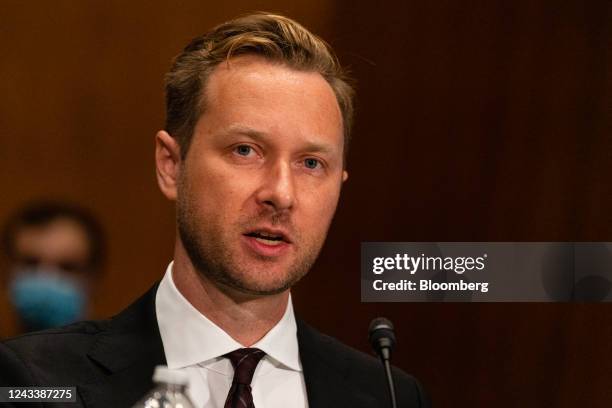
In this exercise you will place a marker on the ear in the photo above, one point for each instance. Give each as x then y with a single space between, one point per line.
344 175
167 163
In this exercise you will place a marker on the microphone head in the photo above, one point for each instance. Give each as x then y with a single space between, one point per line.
381 334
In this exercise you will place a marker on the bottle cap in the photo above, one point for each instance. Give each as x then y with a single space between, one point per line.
165 375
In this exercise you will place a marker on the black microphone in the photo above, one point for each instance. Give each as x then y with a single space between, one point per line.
382 339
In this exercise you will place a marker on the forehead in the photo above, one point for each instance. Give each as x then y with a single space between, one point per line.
252 89
59 239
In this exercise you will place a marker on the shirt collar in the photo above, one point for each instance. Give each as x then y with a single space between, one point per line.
190 338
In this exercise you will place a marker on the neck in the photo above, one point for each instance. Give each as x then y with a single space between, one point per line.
246 318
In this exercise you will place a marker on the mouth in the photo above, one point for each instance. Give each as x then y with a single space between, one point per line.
267 243
269 237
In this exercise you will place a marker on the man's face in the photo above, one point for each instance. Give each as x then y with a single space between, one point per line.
261 180
60 245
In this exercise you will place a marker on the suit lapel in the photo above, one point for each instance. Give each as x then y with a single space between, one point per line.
126 353
326 374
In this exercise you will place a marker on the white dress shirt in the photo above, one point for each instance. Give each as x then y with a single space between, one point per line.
195 345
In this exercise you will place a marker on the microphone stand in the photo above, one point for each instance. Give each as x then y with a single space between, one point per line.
382 339
389 375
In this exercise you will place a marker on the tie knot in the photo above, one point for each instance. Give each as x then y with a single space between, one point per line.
245 361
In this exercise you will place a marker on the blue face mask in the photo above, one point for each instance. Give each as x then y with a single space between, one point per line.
46 299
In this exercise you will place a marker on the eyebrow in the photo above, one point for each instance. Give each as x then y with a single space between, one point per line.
245 130
262 137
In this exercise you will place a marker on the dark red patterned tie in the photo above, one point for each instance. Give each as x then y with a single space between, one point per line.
244 361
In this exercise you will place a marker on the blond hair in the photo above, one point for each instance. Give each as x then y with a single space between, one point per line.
274 37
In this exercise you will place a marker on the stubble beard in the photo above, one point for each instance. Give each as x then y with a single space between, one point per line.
208 249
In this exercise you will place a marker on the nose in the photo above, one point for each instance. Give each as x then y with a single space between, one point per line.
277 189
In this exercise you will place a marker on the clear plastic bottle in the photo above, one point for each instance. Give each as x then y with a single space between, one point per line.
169 391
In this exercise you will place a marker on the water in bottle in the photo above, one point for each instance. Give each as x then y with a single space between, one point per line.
169 391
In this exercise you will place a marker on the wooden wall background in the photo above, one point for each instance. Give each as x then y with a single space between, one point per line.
477 121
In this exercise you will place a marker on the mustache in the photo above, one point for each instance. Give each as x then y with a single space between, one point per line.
270 217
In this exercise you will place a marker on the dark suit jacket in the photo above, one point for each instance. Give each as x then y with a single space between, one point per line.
111 362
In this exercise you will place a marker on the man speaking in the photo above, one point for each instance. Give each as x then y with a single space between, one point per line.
253 153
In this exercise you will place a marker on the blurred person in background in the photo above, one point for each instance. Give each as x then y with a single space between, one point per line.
55 253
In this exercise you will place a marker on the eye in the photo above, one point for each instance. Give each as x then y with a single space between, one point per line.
30 261
311 163
243 150
69 266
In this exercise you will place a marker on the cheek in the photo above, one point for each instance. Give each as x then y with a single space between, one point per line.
218 189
